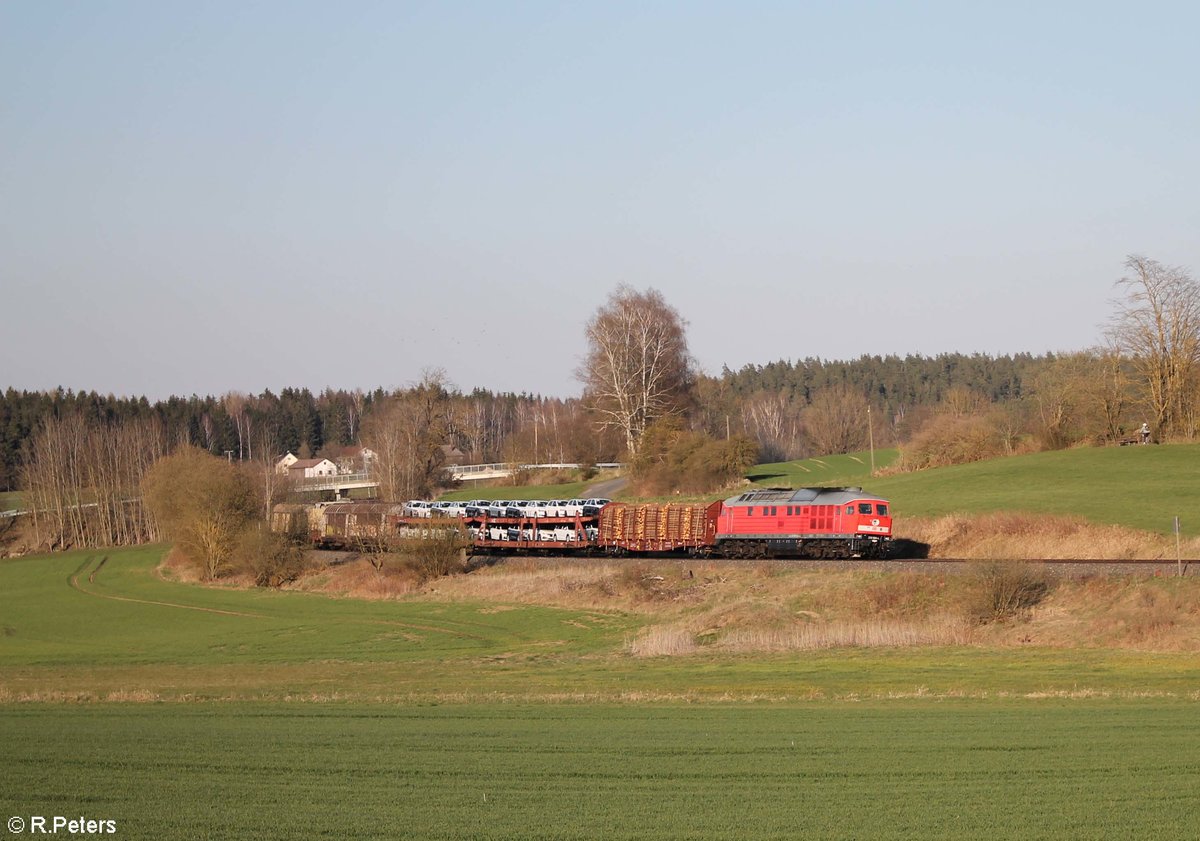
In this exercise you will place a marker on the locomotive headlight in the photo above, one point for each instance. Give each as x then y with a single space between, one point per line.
875 522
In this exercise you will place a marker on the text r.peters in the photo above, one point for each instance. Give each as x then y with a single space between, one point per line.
42 825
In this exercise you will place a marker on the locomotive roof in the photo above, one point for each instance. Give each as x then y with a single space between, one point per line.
805 496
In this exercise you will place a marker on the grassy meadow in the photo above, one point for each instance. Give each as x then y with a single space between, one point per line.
91 627
530 701
880 771
851 469
182 711
1137 487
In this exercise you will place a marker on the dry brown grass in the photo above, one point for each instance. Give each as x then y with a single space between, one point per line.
1139 613
358 579
175 566
747 631
527 582
662 641
694 607
864 633
1006 536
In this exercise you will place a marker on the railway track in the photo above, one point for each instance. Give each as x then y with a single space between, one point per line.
1067 568
1073 567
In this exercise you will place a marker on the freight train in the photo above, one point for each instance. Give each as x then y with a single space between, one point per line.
825 523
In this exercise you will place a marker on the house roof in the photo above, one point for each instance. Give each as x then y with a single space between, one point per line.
309 462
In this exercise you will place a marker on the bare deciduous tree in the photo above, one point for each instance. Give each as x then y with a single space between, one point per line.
1111 391
203 503
406 433
1058 392
236 405
773 420
81 480
637 368
273 486
1079 397
1157 326
836 421
962 402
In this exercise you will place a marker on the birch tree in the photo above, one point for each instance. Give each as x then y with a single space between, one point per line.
81 480
637 368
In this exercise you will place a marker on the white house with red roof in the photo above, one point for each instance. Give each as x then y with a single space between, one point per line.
312 468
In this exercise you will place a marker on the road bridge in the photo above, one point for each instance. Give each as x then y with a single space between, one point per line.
344 482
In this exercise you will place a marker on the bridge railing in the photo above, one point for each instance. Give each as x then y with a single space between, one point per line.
458 471
341 480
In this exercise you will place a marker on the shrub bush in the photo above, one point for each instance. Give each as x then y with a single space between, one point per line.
442 551
673 460
948 440
271 558
1005 589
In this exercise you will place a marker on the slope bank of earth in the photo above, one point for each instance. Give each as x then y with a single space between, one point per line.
690 607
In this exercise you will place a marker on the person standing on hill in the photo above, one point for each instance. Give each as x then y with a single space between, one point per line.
1145 432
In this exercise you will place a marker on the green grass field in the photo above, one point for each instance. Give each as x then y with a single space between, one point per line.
902 770
70 628
182 711
1139 487
849 469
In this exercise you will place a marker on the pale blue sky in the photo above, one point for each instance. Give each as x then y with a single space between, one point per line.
205 197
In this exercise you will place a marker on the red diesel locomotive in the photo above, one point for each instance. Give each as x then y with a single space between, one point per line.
808 523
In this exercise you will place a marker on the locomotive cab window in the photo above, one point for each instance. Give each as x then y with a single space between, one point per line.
849 509
881 510
750 511
864 508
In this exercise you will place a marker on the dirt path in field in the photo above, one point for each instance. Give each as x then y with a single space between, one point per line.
73 581
607 489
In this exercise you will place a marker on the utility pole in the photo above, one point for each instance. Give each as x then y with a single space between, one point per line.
1178 553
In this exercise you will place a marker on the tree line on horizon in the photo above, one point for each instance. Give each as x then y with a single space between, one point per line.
764 402
643 401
